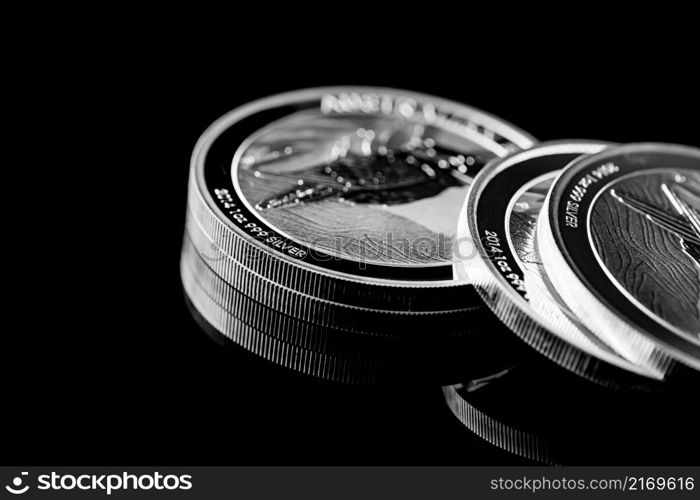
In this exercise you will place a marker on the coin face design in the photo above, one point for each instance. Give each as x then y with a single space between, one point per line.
371 188
382 186
645 232
622 231
355 180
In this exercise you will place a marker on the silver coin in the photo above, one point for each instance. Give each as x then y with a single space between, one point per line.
620 238
346 188
500 217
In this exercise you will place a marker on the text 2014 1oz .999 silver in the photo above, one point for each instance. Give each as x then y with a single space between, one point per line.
347 194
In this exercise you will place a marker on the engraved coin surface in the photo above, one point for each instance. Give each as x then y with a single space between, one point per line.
500 217
620 243
360 182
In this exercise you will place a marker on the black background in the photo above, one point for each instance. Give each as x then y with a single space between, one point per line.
106 365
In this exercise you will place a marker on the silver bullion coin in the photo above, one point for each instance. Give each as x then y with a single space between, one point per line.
354 192
218 321
499 220
620 239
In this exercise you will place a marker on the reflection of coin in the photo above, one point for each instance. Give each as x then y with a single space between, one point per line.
538 411
346 187
319 363
473 404
343 354
620 244
500 215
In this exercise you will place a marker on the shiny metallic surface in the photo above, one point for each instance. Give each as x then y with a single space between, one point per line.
259 280
355 322
617 239
494 431
406 223
262 343
500 218
224 248
324 220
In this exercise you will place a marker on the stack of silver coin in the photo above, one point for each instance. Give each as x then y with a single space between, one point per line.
321 227
590 253
335 231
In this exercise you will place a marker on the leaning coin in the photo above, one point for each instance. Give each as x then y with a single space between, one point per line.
353 192
499 220
619 237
